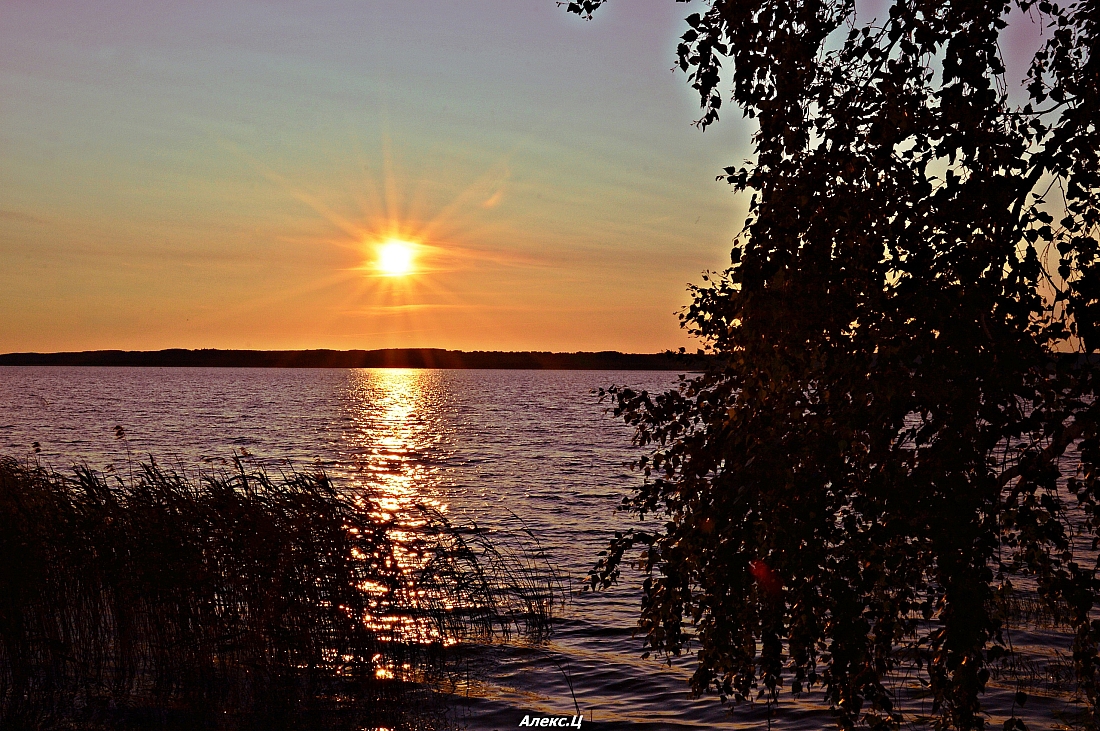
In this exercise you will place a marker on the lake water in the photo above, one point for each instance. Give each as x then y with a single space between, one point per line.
480 445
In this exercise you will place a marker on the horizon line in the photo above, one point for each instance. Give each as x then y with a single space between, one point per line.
438 358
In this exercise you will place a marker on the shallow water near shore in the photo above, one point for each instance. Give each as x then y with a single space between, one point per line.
487 447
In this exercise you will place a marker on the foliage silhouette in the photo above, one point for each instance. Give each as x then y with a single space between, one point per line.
237 601
905 420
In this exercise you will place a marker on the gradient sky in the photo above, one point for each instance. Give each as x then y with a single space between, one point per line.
218 174
210 174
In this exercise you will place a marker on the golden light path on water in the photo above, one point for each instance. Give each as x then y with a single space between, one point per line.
391 430
391 427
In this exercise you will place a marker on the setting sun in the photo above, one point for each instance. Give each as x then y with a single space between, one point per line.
395 258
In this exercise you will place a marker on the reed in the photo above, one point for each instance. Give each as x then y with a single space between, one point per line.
235 600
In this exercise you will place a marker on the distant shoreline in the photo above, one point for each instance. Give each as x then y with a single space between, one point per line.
385 358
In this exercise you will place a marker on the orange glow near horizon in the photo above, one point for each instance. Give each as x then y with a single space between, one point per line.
377 256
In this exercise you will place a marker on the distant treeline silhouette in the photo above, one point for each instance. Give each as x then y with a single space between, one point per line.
235 601
387 358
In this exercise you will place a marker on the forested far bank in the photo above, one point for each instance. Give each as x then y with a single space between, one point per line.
384 358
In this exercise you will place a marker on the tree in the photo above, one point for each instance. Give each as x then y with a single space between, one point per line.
905 418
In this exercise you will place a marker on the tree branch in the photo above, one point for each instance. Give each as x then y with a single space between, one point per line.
1052 451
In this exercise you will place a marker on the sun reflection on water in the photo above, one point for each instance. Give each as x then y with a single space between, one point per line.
393 428
394 425
456 583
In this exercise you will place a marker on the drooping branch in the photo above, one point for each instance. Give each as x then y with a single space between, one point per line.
1052 451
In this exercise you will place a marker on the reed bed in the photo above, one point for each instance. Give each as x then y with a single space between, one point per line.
237 600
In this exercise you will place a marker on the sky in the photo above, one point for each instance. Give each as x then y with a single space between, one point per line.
224 174
228 174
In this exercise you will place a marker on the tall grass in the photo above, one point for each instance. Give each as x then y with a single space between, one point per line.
235 600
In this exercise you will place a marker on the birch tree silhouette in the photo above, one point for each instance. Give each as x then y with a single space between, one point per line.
905 419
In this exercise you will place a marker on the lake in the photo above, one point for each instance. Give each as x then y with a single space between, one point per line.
480 445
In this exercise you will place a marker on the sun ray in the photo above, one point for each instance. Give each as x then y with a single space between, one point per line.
402 243
300 194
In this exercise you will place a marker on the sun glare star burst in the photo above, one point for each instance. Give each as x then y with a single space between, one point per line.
395 258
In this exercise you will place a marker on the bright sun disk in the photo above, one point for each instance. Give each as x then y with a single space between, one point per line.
395 258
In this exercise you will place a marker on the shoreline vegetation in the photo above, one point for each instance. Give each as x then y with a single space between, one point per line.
237 599
384 358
